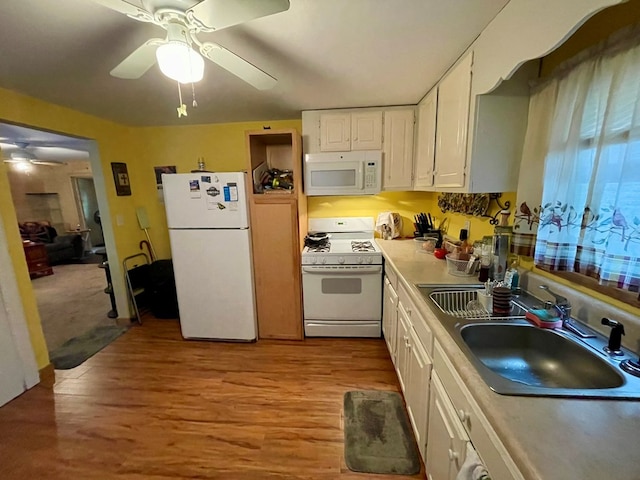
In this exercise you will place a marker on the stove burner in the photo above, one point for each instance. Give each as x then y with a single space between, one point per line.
322 248
364 246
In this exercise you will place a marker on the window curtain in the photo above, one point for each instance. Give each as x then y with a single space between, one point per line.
589 220
536 145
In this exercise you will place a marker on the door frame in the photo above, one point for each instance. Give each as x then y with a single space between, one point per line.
12 309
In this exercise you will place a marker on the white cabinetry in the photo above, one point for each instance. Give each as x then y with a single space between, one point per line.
447 439
344 131
390 129
417 389
425 142
390 316
452 124
464 412
335 132
398 149
414 343
402 353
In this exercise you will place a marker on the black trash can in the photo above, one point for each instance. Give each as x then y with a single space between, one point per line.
161 291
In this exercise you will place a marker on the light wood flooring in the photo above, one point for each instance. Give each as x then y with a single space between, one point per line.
154 406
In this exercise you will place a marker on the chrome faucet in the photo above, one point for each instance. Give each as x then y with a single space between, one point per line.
562 304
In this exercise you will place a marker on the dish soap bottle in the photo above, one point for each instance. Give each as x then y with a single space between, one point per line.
465 247
512 277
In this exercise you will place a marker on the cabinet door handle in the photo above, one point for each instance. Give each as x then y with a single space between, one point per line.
464 416
453 455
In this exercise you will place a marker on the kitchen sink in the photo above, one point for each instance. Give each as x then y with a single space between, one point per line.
538 357
514 357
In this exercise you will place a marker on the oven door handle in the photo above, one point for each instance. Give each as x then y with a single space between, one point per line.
343 270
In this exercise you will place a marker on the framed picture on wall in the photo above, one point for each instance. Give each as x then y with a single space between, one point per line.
159 171
121 178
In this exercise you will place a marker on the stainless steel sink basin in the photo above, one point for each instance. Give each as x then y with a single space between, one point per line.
514 357
538 357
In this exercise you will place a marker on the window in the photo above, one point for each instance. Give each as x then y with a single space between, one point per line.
589 213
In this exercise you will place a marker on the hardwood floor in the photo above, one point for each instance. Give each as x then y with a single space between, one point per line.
154 406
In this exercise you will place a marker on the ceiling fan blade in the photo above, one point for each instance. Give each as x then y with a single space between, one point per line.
47 162
218 14
141 60
127 8
238 66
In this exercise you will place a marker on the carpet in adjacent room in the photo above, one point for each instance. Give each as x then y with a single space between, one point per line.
377 434
75 351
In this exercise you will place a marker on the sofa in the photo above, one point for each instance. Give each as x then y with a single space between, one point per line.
60 248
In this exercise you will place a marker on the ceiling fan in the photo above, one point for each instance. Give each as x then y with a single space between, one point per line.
23 155
179 54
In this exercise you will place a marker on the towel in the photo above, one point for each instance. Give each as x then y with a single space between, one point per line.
389 222
472 468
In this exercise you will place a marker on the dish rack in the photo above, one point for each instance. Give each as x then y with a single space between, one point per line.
460 304
462 268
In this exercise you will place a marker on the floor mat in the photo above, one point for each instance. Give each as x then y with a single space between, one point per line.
377 434
75 351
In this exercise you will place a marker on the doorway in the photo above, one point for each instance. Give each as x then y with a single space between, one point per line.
87 204
72 300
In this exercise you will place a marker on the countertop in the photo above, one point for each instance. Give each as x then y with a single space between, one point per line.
547 438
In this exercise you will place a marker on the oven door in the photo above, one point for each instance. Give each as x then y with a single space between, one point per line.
342 293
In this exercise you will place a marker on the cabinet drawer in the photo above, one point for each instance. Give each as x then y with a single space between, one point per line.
391 275
485 440
419 324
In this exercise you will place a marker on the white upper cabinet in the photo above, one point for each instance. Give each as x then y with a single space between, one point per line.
366 130
425 142
344 131
452 121
335 132
398 149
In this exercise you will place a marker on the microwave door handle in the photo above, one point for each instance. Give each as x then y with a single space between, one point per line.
360 176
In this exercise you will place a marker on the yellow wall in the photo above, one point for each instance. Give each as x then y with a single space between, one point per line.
116 145
221 145
407 204
594 30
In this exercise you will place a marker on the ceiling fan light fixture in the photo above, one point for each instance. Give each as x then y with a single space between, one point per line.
24 166
178 61
23 156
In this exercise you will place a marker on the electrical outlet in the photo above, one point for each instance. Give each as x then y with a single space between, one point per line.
120 220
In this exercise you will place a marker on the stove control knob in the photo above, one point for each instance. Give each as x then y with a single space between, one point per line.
359 260
324 260
369 260
341 260
314 260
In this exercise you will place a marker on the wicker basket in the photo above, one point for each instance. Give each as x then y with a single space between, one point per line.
462 268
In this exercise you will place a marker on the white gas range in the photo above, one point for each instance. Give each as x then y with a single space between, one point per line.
342 279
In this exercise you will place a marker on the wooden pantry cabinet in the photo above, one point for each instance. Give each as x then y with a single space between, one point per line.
278 228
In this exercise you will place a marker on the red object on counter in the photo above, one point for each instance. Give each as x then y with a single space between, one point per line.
440 253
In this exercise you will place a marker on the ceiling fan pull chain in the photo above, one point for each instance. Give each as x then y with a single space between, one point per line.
193 93
182 109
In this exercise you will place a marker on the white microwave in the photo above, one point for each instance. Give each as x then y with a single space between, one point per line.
343 173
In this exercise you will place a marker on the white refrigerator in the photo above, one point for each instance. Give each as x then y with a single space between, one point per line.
207 216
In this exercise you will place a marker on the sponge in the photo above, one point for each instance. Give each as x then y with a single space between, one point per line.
543 318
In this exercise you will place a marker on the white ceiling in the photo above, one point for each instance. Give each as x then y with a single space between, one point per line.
324 53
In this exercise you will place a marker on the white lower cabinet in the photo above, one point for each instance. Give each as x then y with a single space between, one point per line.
412 361
390 318
417 389
402 355
447 439
444 416
463 412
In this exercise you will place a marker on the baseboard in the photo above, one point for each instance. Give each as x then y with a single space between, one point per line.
47 376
